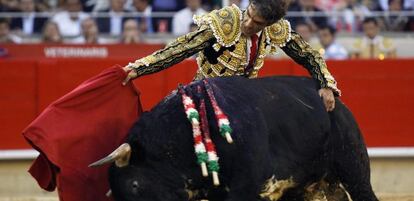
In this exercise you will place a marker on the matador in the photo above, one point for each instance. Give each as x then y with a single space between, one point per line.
231 41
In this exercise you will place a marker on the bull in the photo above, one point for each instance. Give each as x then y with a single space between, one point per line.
284 143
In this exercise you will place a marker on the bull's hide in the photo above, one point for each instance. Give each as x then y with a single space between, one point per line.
284 143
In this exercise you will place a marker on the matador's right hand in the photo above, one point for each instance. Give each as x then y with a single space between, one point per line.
132 74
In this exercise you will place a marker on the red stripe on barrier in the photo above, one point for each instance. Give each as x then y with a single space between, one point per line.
379 93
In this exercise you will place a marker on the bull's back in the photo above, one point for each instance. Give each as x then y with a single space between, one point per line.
280 120
279 101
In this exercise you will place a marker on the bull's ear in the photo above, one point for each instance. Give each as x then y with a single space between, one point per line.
121 156
184 194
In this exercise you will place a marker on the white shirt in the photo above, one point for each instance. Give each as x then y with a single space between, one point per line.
116 23
15 39
244 4
408 4
335 51
148 10
28 23
67 26
81 40
183 19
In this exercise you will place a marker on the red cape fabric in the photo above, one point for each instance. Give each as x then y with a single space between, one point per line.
82 127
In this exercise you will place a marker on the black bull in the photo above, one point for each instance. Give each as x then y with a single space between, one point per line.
284 141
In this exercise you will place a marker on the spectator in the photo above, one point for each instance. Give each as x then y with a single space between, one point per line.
90 33
409 4
244 4
164 24
2 8
90 5
305 31
130 33
9 5
28 24
95 5
353 13
70 18
183 18
5 35
392 22
168 5
406 5
235 2
307 9
145 23
328 5
51 33
371 5
331 49
113 24
372 45
45 5
240 3
87 5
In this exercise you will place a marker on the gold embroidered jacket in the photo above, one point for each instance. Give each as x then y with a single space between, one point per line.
222 49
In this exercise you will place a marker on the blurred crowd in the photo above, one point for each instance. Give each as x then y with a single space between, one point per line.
80 21
348 15
371 45
127 21
325 18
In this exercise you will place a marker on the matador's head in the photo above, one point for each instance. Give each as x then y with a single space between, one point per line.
262 13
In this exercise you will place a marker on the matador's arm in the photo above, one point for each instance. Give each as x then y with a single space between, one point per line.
176 51
302 53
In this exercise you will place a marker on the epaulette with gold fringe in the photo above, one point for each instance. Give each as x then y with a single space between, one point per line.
279 33
225 24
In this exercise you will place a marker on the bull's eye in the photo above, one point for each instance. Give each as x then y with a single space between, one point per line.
135 187
135 184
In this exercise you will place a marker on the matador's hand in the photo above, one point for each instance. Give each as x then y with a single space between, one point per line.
328 98
131 74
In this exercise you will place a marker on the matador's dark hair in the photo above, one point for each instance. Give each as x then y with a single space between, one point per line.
271 10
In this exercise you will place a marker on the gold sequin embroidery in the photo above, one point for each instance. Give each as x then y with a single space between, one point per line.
225 24
279 33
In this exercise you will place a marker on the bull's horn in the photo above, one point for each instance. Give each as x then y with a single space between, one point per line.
109 193
121 157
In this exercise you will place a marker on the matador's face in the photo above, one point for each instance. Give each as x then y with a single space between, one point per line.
252 21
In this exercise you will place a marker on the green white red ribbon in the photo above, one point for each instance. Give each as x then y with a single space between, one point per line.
222 119
193 117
